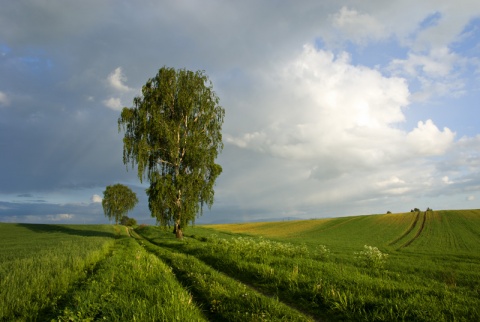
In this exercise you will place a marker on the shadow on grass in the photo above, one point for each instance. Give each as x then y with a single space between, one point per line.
80 230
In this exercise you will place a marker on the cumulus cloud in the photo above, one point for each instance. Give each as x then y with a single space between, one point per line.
96 199
470 198
333 134
113 103
121 92
116 80
345 112
427 139
330 112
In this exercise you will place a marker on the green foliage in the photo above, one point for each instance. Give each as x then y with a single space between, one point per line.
322 252
173 136
117 201
372 257
127 221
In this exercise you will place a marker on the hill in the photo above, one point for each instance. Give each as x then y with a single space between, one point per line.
444 231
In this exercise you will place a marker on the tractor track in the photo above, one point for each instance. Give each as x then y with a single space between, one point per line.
419 232
139 238
408 231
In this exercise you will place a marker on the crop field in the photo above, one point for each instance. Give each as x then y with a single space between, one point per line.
419 266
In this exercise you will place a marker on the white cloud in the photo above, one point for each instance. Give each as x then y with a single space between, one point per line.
116 80
327 109
358 27
446 180
427 139
60 217
113 103
429 34
96 199
437 72
4 100
121 92
470 198
438 63
329 131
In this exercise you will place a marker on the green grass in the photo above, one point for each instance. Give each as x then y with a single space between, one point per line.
131 285
285 271
223 298
40 263
432 272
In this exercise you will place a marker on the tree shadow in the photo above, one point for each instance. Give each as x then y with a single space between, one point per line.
80 230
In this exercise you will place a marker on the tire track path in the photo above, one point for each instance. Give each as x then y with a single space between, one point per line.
419 232
225 297
408 231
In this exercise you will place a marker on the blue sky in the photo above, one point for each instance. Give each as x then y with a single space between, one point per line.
333 108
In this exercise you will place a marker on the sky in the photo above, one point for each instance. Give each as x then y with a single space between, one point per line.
333 108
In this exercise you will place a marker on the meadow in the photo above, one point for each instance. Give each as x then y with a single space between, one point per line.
418 266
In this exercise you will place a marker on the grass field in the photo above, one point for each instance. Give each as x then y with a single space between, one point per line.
422 266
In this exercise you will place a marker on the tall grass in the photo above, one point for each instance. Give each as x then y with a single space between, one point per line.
131 285
411 284
223 298
38 265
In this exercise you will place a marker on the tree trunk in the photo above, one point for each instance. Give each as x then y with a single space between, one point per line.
178 230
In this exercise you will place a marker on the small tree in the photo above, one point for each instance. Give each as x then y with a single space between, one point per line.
127 221
117 201
173 135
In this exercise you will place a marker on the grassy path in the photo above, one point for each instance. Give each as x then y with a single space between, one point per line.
222 297
131 285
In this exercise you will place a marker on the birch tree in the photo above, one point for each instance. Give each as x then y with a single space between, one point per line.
173 136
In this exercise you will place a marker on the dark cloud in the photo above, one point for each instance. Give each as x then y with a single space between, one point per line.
57 137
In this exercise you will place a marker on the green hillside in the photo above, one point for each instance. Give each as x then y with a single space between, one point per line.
444 231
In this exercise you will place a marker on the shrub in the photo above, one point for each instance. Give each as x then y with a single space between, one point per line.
372 257
126 221
322 252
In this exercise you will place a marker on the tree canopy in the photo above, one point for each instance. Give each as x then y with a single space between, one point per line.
117 201
127 221
173 136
